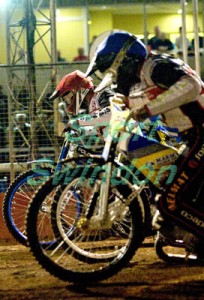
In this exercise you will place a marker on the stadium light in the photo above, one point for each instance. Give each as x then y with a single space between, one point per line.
3 3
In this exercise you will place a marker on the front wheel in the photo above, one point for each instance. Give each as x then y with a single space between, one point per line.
17 199
83 254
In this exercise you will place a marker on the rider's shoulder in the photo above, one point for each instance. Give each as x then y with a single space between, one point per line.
164 58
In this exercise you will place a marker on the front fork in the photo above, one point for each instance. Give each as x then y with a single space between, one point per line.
102 213
99 202
104 194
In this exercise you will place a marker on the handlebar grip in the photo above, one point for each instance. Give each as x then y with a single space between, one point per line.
69 127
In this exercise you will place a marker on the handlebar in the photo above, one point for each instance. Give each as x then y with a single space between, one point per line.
69 128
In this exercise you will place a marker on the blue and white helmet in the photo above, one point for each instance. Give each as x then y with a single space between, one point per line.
121 52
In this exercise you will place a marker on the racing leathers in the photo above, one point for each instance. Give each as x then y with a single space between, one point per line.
166 85
98 108
170 87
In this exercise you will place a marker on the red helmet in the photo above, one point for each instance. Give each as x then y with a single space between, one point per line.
73 87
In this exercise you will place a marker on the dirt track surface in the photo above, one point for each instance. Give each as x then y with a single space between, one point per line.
146 277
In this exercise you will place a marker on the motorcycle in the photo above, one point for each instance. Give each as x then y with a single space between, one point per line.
22 189
98 214
180 209
180 217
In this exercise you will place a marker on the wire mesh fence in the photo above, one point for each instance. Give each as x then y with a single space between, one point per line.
30 124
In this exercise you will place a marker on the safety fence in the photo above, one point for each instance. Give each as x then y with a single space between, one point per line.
30 124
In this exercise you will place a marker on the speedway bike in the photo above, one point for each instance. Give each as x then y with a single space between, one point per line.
109 196
98 215
180 216
22 189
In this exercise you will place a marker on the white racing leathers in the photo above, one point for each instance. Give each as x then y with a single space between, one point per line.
166 84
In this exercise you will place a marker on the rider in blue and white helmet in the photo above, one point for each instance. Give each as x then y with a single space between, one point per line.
163 83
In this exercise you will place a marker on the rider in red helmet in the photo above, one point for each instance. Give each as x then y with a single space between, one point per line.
77 90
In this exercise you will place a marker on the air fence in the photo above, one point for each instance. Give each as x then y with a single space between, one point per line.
30 124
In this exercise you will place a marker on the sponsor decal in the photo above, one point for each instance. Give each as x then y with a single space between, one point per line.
182 179
200 153
192 218
167 159
174 189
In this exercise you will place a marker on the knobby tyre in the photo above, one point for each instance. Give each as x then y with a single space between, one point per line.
16 201
68 213
82 255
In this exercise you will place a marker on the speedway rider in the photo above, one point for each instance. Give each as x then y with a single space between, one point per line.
75 82
158 84
77 91
149 84
153 84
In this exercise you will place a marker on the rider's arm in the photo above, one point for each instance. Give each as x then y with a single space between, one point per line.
183 91
181 87
114 111
100 117
99 108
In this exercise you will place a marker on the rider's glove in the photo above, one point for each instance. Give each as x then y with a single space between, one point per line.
141 114
117 102
118 121
119 114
